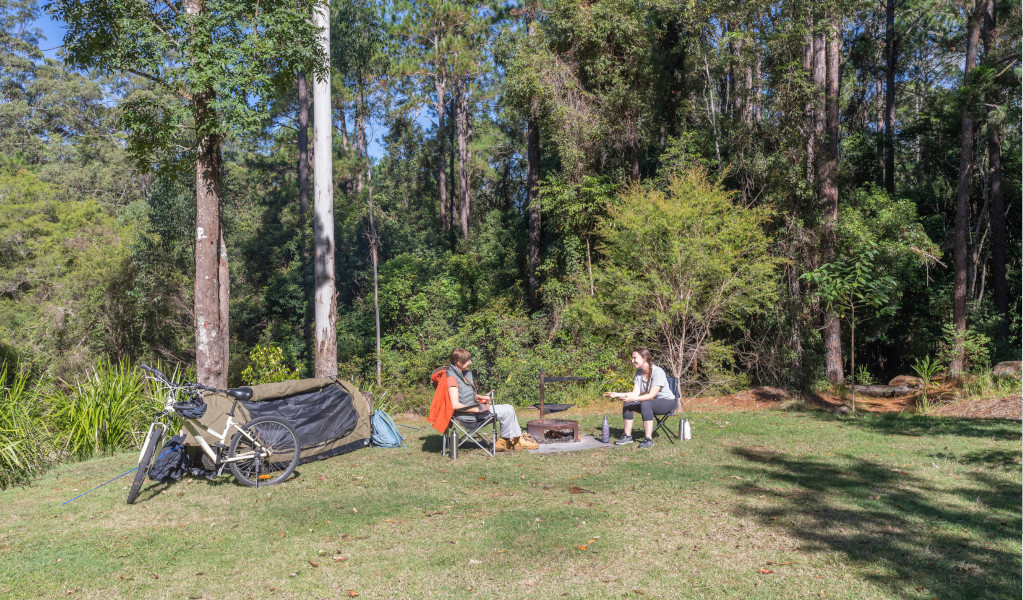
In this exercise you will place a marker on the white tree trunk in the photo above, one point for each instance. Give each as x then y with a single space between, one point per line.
325 296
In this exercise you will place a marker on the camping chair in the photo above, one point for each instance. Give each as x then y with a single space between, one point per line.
468 427
661 420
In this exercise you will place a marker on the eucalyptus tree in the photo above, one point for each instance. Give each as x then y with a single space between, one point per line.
217 63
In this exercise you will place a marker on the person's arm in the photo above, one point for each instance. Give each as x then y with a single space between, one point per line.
455 404
627 396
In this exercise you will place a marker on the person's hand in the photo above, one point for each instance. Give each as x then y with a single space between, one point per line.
610 395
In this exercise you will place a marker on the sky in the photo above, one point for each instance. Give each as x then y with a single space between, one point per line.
53 31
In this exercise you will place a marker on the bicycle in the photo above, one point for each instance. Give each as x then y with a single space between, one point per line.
263 451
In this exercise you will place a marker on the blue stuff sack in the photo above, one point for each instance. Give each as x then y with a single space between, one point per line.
385 432
172 462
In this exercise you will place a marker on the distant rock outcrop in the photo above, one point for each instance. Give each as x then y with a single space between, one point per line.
909 381
1009 367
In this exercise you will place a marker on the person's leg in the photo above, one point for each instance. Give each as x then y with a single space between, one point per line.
628 410
505 414
646 409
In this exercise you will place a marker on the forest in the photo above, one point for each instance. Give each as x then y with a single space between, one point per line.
761 192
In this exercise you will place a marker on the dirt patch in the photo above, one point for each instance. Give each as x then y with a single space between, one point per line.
1010 407
943 403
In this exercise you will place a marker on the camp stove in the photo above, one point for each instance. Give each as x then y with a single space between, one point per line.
552 431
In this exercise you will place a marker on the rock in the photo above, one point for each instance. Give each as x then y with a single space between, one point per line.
881 391
909 381
1009 367
841 410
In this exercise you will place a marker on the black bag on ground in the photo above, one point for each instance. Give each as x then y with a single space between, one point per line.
172 462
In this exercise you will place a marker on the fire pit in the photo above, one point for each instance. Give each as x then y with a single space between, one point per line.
550 431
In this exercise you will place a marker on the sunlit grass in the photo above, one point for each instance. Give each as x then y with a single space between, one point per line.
871 507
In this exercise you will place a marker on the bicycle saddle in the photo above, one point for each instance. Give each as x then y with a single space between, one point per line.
242 394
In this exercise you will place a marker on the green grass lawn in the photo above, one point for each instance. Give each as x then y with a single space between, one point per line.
878 507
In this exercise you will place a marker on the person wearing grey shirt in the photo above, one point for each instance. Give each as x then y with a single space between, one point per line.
464 398
650 395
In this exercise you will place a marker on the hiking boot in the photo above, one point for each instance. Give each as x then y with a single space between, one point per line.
526 442
646 443
503 445
625 439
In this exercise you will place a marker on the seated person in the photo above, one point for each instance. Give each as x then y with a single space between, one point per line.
465 399
650 394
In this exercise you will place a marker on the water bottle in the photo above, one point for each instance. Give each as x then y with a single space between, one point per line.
605 432
684 432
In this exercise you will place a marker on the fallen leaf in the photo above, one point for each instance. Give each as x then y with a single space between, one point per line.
315 564
766 571
581 547
579 490
340 558
154 575
352 593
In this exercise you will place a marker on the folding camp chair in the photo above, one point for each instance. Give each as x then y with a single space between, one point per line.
468 427
662 420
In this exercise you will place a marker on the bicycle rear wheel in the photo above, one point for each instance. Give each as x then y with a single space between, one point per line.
271 454
145 463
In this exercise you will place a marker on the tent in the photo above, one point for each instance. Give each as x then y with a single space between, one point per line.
330 416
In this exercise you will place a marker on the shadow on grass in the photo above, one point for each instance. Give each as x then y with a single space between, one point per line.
901 530
919 425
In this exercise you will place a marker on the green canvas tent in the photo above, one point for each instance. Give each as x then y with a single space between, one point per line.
330 416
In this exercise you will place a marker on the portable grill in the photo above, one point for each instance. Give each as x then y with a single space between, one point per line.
550 431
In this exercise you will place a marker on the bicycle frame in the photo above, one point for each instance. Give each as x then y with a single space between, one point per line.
194 426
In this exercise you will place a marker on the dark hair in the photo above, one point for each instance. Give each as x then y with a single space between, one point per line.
646 357
459 356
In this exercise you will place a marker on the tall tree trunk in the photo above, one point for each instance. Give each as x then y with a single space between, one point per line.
453 208
829 193
810 110
303 202
533 204
211 340
997 209
442 159
962 222
891 50
210 343
374 245
360 138
462 124
325 298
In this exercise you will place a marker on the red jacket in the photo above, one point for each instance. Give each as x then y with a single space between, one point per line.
440 410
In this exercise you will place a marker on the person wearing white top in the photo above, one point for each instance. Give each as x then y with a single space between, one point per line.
650 394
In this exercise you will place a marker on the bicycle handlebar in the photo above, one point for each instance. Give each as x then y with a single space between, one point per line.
159 376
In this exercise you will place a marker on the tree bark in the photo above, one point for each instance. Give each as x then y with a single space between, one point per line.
210 341
962 222
829 194
360 138
462 126
891 50
439 85
997 208
325 297
533 204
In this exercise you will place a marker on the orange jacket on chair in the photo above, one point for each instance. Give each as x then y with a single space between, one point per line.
440 410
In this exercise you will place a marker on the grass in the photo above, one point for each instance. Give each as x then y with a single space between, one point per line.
872 507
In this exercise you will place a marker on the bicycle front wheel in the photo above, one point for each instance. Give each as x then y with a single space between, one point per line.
265 451
145 464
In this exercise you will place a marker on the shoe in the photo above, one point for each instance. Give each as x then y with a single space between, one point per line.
625 439
526 442
504 445
646 443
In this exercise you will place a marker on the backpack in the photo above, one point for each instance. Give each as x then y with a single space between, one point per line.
172 462
385 432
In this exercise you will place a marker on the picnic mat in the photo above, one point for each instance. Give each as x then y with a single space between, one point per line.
587 442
